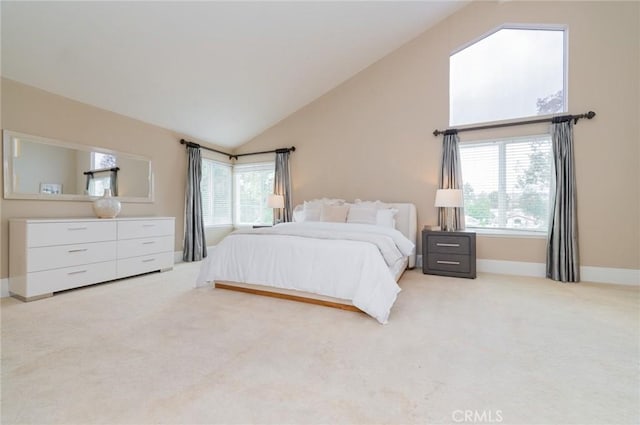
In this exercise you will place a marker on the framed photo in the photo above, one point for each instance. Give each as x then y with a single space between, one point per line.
51 188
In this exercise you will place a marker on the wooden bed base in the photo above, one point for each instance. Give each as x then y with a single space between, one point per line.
322 302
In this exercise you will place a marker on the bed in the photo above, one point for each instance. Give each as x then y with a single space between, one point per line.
350 264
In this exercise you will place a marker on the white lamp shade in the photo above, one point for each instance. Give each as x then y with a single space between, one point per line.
449 198
275 201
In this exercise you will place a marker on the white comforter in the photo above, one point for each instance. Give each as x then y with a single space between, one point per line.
347 261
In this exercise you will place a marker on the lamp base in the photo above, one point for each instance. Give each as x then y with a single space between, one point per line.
450 226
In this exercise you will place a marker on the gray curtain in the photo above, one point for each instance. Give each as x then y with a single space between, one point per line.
282 186
450 176
114 181
562 244
195 244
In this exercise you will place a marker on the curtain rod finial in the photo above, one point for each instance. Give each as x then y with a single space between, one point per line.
436 132
590 114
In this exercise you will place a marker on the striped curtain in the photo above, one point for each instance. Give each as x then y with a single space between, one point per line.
562 244
450 176
282 186
195 243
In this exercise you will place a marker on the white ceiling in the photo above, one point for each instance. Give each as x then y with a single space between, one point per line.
221 72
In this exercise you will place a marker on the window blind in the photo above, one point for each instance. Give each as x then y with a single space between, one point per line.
507 183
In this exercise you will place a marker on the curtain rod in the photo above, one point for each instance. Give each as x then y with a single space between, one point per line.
195 145
291 149
561 118
101 170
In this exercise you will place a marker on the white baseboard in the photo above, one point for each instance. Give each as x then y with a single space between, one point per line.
516 268
587 273
610 275
177 255
4 287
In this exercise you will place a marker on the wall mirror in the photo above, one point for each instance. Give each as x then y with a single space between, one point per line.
41 168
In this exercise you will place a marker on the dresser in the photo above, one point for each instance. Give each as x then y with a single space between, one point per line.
51 255
449 253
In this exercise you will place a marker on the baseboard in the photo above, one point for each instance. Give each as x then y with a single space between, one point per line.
4 287
177 255
516 268
587 273
610 275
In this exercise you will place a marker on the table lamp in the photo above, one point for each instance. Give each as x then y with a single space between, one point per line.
450 199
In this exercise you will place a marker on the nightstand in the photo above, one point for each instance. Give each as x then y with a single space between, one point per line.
449 253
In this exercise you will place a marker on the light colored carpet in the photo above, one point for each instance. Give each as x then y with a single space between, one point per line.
155 350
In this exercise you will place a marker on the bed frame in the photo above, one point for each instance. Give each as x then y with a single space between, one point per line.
406 223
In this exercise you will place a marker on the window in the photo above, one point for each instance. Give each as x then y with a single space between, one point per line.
99 182
215 187
511 73
252 185
507 183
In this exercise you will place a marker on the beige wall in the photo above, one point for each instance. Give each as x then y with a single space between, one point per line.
371 137
28 110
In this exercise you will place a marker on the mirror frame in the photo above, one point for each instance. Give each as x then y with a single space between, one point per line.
8 170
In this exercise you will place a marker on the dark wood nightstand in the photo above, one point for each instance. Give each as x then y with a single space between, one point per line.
449 253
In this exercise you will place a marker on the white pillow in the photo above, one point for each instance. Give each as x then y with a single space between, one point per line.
298 213
334 213
386 217
311 212
362 214
313 208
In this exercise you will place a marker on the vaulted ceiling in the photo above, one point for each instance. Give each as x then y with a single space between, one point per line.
221 72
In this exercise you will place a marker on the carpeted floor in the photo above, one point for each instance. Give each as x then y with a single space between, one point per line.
153 349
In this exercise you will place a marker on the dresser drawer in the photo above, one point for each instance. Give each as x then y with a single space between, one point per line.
448 244
449 263
137 247
55 257
133 229
49 281
145 264
47 234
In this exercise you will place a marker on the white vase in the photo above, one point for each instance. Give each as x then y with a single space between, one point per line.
106 206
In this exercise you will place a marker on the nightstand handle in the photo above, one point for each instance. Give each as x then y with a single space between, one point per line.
455 263
447 244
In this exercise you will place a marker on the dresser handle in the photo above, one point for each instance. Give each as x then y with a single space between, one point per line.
149 260
148 243
76 228
78 272
77 250
148 225
448 244
453 263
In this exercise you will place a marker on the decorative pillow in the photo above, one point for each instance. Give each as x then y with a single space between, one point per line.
362 214
385 217
298 213
311 212
334 213
313 208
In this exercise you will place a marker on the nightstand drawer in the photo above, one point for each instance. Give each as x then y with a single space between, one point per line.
448 244
449 263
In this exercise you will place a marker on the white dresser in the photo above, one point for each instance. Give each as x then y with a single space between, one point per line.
50 255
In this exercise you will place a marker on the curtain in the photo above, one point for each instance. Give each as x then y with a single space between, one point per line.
450 176
562 244
195 244
114 181
282 186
